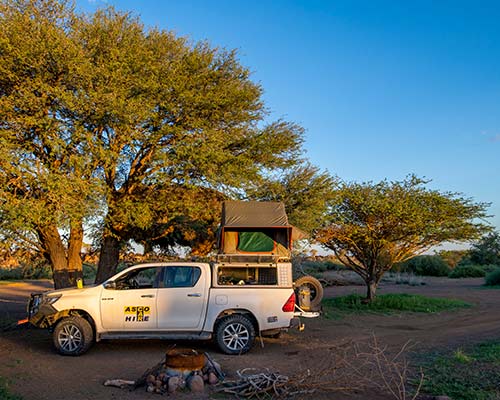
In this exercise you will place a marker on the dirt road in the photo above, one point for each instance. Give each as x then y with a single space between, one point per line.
37 372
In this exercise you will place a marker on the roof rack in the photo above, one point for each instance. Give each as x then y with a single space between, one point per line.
246 259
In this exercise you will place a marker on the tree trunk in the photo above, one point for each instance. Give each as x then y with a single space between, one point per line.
75 247
64 274
148 248
371 286
75 244
108 258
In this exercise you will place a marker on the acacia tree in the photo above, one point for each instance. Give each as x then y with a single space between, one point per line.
98 110
166 114
372 226
46 184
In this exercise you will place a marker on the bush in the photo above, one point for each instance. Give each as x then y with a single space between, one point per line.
37 271
314 267
9 274
31 271
426 266
468 271
389 303
89 272
493 277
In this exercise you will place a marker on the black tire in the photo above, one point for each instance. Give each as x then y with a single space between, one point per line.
234 334
73 336
314 286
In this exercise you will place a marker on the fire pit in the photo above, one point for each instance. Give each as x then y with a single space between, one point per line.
181 369
182 361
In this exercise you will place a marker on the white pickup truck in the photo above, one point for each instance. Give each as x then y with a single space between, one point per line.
231 303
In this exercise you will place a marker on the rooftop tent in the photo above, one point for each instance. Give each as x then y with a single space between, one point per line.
254 214
253 227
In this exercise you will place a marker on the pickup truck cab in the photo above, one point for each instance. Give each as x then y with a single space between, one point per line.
230 303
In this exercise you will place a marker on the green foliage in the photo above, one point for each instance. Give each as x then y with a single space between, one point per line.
470 271
5 393
303 189
493 278
184 123
426 266
89 272
11 274
464 375
100 114
372 226
460 356
32 271
486 250
390 303
47 182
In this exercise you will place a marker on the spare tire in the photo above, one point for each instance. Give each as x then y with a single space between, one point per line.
314 286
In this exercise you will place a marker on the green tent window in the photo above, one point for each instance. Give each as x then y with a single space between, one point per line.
255 242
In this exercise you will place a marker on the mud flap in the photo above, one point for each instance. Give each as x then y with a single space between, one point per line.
295 322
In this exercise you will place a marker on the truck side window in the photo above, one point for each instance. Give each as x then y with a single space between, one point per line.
180 277
247 276
140 278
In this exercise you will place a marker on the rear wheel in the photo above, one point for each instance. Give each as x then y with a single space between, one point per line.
234 334
73 336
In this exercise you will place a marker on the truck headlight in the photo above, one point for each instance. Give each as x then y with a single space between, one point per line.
51 299
39 300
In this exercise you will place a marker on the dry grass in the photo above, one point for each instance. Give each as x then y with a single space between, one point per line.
343 369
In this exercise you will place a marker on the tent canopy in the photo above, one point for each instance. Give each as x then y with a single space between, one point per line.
254 214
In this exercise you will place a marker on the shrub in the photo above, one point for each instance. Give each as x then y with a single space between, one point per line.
89 272
493 277
313 267
37 271
29 271
426 266
468 271
389 303
7 274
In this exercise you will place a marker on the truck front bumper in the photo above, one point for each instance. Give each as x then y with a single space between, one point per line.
40 314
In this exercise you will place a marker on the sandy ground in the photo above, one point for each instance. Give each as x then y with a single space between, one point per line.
35 371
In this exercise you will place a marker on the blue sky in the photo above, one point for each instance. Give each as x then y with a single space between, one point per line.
383 88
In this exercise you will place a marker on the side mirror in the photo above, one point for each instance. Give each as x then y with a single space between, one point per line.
110 285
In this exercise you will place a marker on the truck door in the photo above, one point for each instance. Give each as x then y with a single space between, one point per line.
132 305
182 298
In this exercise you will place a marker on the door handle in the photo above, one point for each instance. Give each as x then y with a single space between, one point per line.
194 294
148 295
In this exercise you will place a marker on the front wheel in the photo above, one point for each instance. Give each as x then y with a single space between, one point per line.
73 336
234 334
